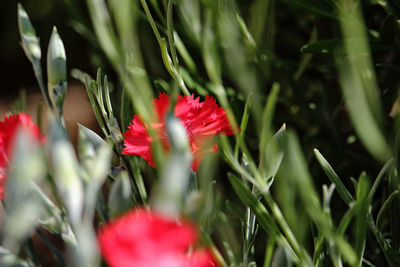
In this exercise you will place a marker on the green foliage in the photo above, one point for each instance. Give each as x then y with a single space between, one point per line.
269 64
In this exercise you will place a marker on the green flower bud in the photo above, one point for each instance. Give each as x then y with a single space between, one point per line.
56 70
29 40
176 133
67 178
168 194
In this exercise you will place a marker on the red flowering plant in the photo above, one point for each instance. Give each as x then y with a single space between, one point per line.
8 131
233 207
142 238
202 121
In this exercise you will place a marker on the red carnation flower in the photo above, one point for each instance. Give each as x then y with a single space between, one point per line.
141 238
202 120
8 132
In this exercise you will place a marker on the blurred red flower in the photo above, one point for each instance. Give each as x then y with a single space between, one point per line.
202 120
8 132
142 238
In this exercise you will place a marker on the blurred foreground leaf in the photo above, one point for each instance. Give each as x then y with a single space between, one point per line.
24 207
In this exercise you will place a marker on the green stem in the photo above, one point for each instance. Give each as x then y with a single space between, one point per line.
249 236
170 33
54 250
269 250
39 77
378 180
391 256
31 251
284 225
151 21
215 251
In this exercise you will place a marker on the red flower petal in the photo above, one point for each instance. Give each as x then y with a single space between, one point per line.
202 258
203 121
161 104
143 238
8 131
137 141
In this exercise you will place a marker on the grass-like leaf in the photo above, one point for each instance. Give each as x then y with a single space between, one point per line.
341 188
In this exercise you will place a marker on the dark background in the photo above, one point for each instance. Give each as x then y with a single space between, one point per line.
16 70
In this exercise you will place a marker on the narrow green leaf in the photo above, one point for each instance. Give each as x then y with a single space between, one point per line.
126 110
57 254
263 217
394 216
274 153
210 210
243 127
309 197
281 258
360 229
209 49
342 190
104 29
346 219
359 84
266 127
88 84
180 46
119 199
388 165
170 33
91 136
190 14
384 208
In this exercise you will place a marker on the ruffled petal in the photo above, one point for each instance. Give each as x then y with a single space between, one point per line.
137 141
202 120
8 131
161 105
143 238
210 119
187 107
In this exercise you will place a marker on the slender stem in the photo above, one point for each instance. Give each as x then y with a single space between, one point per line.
31 251
170 33
171 69
284 225
269 250
390 255
54 250
249 236
215 251
38 74
151 21
378 179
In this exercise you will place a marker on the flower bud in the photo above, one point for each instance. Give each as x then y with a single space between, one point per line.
56 70
168 194
29 40
67 178
176 133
